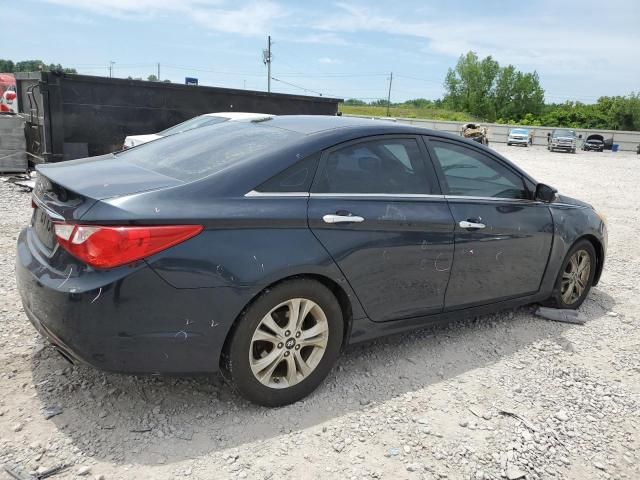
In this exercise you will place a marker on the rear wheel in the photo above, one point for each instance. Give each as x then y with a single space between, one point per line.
576 276
285 343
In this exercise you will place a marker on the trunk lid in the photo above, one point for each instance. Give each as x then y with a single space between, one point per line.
65 191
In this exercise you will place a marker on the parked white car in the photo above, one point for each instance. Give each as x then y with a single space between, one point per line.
195 122
519 136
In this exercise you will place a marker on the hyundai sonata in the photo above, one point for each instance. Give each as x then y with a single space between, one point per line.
262 249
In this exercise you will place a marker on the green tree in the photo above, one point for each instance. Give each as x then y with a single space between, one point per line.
484 89
152 78
8 66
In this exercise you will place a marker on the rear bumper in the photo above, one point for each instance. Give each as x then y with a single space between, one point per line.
522 141
127 319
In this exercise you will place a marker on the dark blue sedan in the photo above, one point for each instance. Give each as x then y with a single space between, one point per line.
261 249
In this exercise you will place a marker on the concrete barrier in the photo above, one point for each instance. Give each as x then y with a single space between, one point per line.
627 141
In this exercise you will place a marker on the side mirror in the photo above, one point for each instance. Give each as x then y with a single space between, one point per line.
545 193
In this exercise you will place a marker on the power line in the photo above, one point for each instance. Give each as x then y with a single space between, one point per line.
419 79
218 72
337 75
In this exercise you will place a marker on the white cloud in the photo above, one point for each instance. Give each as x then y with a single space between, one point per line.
322 38
537 41
329 61
252 18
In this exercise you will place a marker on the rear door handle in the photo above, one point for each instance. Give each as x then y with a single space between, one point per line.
467 224
332 218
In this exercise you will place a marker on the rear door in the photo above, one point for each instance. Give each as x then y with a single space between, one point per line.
377 208
502 236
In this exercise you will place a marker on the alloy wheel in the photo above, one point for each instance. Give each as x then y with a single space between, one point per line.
289 343
575 277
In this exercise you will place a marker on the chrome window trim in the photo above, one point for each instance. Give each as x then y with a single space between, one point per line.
379 195
254 193
491 199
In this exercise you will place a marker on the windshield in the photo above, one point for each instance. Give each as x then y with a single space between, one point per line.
204 151
519 131
564 132
196 122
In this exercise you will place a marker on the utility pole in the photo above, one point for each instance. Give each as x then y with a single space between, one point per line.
111 63
389 94
159 72
266 59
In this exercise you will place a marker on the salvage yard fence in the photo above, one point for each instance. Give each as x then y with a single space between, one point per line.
498 133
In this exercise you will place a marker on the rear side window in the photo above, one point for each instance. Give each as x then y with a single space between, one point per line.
201 152
296 178
389 166
471 173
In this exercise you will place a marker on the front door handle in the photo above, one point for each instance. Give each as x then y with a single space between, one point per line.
332 218
466 224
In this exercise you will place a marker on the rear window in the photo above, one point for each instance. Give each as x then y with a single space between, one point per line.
196 122
198 153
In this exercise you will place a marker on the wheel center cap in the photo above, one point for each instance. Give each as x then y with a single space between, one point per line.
290 343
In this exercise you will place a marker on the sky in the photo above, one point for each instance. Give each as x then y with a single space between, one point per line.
347 49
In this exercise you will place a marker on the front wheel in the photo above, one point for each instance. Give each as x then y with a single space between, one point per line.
285 344
576 276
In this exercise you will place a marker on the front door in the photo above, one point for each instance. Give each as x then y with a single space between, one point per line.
502 236
377 209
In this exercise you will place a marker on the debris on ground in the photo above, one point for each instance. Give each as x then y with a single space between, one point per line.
51 411
561 315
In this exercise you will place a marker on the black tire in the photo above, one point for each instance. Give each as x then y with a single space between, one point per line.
236 363
556 299
573 150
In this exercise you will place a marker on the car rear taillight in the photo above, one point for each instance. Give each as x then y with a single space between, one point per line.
108 247
11 96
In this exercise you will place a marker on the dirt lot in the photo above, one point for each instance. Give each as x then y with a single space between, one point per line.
425 405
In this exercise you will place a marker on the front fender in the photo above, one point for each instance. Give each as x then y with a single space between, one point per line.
571 223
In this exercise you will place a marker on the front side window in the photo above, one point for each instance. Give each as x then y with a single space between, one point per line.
391 166
471 173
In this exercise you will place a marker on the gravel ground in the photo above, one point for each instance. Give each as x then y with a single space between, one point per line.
501 396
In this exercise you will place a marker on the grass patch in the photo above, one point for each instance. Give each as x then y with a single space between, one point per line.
429 113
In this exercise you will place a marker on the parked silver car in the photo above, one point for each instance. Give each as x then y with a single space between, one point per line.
519 136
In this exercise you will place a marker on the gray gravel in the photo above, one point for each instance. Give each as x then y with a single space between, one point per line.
501 396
